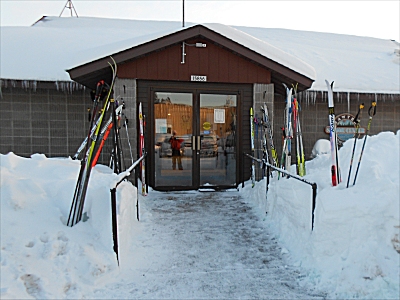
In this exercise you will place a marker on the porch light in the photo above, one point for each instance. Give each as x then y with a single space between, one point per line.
197 45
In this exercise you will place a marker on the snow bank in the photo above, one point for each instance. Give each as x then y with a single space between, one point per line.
36 244
353 251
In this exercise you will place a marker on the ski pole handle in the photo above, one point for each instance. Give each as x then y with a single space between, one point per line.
99 90
372 109
356 118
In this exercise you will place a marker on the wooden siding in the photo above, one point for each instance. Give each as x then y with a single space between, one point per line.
215 62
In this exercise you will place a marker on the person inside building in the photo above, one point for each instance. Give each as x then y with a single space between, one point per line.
176 151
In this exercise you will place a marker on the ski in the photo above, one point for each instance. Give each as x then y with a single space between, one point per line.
103 140
301 167
97 96
256 124
84 143
142 149
127 131
335 171
116 153
357 120
371 113
287 146
75 214
265 154
302 156
269 135
253 169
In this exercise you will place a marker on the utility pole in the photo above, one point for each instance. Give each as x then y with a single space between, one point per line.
183 13
70 6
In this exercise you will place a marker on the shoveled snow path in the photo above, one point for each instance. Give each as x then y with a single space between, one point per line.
204 245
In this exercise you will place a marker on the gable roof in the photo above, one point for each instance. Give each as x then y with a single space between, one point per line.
284 67
44 51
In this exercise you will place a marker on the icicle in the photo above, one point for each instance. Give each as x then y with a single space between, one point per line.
348 101
307 98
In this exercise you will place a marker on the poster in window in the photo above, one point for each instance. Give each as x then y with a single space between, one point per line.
219 115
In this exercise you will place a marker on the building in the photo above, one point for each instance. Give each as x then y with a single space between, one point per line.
200 81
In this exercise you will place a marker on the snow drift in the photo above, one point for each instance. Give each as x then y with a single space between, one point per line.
353 251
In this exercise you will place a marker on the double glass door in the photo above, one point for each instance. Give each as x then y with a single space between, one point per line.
195 139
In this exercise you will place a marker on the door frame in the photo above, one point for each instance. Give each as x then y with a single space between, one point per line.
146 89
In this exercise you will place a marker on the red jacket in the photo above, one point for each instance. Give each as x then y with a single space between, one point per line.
175 143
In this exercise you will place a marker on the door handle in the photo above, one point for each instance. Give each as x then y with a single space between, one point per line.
198 143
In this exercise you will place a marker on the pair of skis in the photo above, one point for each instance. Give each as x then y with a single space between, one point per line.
91 147
253 167
286 157
300 157
142 150
106 128
335 170
268 138
290 128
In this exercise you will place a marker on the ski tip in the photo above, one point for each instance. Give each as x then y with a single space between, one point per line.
329 84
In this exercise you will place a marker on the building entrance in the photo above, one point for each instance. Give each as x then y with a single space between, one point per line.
195 139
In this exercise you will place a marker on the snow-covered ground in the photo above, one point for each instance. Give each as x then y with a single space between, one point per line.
353 251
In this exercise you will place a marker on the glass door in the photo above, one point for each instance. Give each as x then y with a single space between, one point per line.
195 139
173 126
217 135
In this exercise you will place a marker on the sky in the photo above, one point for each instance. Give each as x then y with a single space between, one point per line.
380 19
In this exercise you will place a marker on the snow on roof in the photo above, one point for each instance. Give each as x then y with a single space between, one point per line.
264 48
52 45
355 63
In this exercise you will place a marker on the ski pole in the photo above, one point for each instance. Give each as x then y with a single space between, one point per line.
371 113
357 119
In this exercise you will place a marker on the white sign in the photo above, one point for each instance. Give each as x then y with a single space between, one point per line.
219 115
198 78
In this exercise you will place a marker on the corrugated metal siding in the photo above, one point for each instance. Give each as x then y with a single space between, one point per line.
314 115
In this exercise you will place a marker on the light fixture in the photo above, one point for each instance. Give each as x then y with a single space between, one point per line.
197 45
